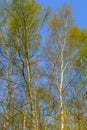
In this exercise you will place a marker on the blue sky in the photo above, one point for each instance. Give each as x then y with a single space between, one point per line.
79 9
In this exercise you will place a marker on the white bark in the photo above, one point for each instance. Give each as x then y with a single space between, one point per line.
25 114
7 111
34 121
63 68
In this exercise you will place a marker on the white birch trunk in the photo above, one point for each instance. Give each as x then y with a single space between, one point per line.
34 121
7 111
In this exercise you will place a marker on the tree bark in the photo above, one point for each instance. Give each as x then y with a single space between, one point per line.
7 111
25 115
34 121
61 87
61 110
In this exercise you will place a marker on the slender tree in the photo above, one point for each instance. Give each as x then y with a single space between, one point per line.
62 48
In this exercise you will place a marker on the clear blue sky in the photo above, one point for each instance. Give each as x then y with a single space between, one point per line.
79 9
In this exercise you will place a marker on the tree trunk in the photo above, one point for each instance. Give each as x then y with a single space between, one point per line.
60 89
7 111
34 121
25 115
61 110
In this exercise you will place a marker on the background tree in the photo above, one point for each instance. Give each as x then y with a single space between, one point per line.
63 45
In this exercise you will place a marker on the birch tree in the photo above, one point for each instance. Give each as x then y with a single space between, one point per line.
23 22
60 54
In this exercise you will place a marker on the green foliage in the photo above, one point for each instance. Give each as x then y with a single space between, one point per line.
20 38
44 94
74 35
24 21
